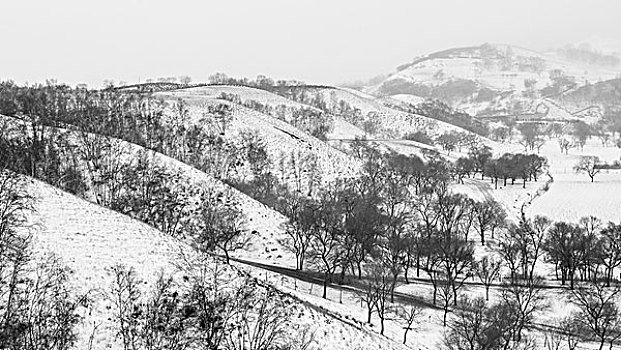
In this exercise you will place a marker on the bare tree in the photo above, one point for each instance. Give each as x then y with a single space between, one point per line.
591 165
208 297
219 224
610 255
565 145
599 312
529 236
524 301
564 332
565 244
509 251
298 230
325 249
487 270
408 314
470 328
383 288
185 79
367 295
125 295
456 260
446 293
260 319
489 216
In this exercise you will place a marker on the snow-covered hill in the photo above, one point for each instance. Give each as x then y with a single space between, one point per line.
91 240
282 140
498 66
490 77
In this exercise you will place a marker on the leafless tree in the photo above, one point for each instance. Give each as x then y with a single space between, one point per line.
610 255
529 236
125 295
408 314
383 287
590 165
565 145
456 260
489 216
326 252
470 328
564 332
260 319
219 224
446 294
487 270
367 293
298 229
524 301
599 312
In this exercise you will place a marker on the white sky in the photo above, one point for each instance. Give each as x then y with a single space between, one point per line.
318 41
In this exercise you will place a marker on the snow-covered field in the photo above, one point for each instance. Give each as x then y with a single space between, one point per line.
572 195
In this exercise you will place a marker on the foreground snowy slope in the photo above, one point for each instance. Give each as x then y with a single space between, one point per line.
91 239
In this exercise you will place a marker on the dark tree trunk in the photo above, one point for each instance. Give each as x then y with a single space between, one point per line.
325 286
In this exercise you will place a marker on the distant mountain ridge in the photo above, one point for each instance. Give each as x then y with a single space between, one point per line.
493 77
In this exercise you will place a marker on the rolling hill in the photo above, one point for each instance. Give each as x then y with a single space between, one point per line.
484 74
90 240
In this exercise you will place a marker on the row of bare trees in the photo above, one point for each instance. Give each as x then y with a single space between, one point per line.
397 216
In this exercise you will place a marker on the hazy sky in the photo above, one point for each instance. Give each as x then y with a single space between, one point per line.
331 41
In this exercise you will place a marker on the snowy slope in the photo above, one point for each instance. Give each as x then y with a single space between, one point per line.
281 138
263 221
406 98
341 129
396 121
470 64
91 239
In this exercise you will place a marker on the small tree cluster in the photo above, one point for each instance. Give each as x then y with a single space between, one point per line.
207 310
527 167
